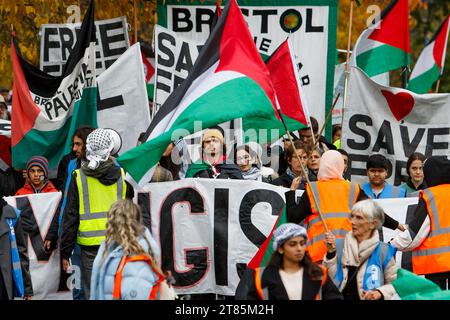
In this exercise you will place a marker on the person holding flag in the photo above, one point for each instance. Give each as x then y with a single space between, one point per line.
335 199
362 266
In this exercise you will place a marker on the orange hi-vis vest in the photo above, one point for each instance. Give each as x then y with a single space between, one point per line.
263 293
335 199
154 293
433 255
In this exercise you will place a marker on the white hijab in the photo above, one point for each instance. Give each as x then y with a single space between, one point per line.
331 166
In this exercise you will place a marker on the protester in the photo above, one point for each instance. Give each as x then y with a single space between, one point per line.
314 163
290 273
72 160
282 162
414 168
306 136
361 265
214 163
37 177
92 190
67 165
336 131
11 181
336 198
377 187
347 174
4 113
428 235
267 173
294 177
126 238
15 279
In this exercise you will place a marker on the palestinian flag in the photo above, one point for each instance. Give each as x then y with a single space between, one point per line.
410 286
149 71
5 144
430 64
46 110
228 80
264 253
385 45
283 70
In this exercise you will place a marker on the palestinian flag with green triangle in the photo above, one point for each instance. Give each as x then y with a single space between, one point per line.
430 64
229 80
46 110
384 46
264 253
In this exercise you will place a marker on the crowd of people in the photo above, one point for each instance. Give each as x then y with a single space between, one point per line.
329 249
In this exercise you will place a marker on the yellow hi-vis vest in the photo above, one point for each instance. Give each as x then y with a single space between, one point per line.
95 200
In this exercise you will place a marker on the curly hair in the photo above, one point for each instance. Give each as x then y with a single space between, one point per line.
124 227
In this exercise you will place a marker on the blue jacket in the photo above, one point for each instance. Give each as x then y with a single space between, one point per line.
389 191
138 278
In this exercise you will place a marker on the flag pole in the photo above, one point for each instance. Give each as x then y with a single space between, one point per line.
437 85
328 116
349 40
135 22
316 203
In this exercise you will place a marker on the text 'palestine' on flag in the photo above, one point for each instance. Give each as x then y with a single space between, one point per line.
46 110
229 80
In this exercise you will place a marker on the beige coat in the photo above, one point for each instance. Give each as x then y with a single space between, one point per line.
352 255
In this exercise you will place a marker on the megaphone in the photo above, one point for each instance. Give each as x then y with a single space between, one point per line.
117 140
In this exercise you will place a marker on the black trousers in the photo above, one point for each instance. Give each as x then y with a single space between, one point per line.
88 255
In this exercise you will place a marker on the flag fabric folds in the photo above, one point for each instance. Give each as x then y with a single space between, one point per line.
384 46
410 286
228 80
46 110
430 64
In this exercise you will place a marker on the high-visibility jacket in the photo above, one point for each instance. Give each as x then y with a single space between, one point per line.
263 293
95 200
433 254
335 199
155 293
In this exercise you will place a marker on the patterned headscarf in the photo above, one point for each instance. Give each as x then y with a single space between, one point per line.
98 147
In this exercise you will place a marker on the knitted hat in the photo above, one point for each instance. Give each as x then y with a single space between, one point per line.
99 145
285 232
40 162
209 133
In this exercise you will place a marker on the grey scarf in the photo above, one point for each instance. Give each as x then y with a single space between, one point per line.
102 169
252 174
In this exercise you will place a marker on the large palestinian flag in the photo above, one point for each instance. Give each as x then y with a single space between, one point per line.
46 110
430 64
228 80
385 45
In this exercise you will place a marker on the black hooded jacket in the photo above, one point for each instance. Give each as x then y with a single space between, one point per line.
71 215
436 170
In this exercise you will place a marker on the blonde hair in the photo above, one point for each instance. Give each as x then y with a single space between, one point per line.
124 226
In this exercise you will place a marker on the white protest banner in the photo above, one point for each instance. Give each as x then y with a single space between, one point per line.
122 98
175 55
394 122
37 212
5 128
57 41
312 26
402 210
209 229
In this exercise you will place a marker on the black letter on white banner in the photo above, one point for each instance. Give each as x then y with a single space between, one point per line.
197 258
